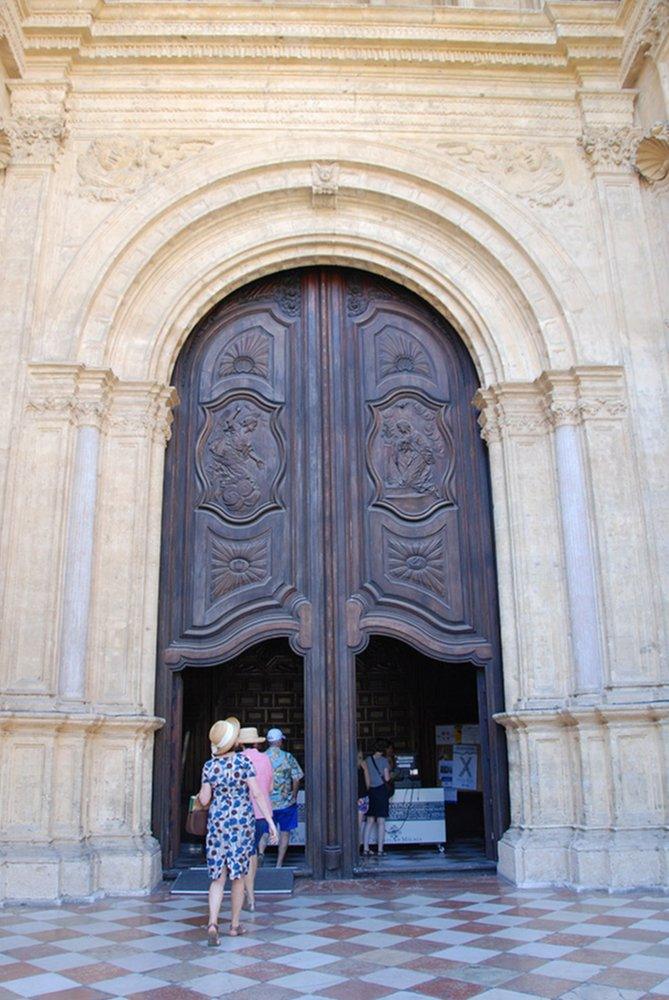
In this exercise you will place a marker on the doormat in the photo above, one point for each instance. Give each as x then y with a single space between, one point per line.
269 882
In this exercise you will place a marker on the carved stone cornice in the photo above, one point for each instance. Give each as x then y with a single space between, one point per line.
35 139
610 148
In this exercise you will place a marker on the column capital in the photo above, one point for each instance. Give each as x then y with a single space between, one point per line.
76 393
141 409
610 148
34 132
510 409
583 392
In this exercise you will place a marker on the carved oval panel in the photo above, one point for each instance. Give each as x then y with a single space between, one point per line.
240 457
410 454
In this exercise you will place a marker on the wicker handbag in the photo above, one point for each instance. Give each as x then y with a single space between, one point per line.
196 823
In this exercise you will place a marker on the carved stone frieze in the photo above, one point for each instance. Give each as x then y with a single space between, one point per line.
114 168
79 395
324 184
141 410
654 25
531 172
555 399
35 139
609 148
652 153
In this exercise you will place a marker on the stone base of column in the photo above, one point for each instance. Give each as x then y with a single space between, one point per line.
60 872
592 859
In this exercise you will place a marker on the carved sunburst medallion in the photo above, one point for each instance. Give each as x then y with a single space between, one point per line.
419 562
248 354
237 564
400 354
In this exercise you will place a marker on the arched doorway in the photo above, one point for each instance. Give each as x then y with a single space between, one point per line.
325 481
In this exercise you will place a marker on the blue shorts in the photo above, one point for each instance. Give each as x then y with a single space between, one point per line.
261 829
286 819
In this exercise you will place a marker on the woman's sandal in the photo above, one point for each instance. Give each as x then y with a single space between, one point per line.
236 930
213 939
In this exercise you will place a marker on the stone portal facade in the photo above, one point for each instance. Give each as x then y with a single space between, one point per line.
507 161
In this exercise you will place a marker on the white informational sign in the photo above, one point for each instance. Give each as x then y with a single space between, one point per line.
471 733
416 817
444 735
450 794
464 766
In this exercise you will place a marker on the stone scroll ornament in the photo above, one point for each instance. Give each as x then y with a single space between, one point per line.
410 455
240 457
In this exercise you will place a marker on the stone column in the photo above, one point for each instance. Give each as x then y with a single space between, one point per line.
533 595
89 411
31 138
627 454
564 413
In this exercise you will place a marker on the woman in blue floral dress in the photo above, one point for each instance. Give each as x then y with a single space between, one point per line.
228 782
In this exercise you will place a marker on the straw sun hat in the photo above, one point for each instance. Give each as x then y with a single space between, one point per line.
250 735
224 735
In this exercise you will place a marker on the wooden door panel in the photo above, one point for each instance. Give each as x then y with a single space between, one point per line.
325 480
236 498
410 407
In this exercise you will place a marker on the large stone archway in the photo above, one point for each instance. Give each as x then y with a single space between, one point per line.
88 463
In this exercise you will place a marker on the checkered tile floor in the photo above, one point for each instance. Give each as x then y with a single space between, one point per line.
396 939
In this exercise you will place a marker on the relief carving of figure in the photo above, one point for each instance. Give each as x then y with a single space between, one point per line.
409 456
234 461
409 449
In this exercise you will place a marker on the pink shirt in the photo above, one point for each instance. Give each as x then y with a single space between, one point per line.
264 774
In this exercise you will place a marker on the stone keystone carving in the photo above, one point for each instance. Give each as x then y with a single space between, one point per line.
111 169
652 153
324 184
609 147
530 172
34 139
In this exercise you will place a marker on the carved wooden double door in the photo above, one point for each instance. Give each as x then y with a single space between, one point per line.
325 481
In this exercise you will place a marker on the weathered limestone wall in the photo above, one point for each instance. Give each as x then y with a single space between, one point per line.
503 162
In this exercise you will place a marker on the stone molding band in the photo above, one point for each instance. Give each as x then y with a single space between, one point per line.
96 398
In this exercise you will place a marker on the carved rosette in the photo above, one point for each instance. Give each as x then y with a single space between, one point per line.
609 148
35 139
